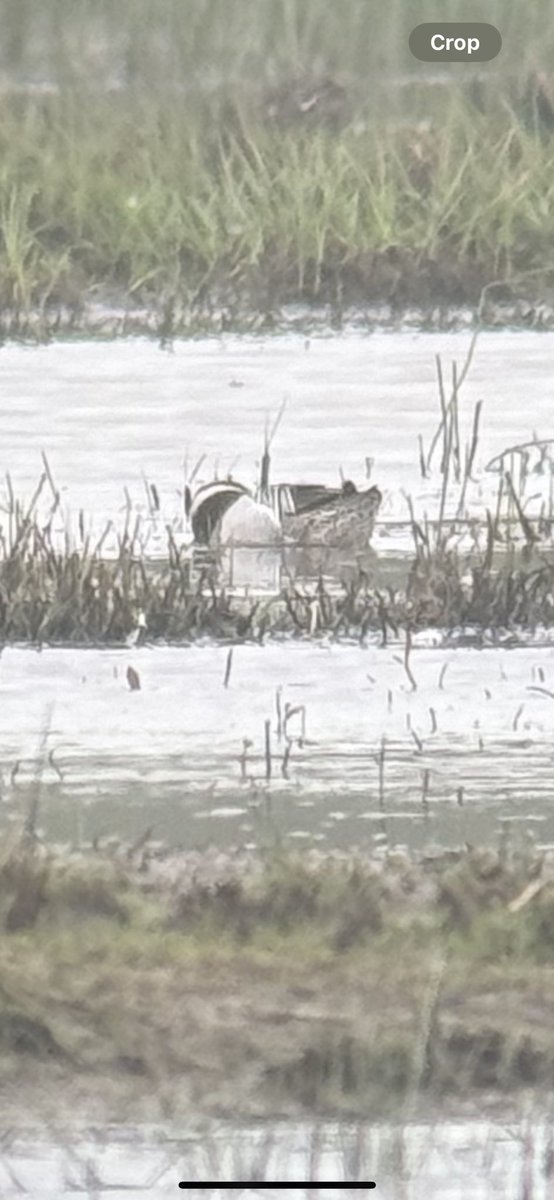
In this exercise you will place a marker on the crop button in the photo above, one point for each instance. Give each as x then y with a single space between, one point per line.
455 41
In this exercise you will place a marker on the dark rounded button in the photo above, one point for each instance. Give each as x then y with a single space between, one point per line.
455 41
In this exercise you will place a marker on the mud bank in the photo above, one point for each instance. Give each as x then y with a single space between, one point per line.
448 309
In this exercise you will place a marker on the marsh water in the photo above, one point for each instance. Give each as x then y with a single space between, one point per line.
110 415
356 753
469 747
448 1161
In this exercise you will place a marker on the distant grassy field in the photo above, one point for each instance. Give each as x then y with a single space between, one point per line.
205 156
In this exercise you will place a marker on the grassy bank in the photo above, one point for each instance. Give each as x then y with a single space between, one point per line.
150 210
151 164
244 985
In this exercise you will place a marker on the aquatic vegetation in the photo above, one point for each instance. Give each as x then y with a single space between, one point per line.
54 591
483 561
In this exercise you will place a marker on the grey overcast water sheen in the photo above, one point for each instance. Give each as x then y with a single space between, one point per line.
104 412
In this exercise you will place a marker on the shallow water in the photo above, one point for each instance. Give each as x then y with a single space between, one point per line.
445 1162
170 754
106 413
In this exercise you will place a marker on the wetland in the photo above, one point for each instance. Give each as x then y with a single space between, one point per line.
276 854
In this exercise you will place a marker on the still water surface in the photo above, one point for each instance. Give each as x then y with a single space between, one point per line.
473 744
108 413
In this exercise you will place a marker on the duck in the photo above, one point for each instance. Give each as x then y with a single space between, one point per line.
344 518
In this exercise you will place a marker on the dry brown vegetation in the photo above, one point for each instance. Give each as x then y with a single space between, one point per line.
76 596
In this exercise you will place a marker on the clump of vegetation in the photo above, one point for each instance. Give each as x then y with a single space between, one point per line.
344 904
59 594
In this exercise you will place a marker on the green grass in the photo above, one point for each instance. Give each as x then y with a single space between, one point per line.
177 191
166 216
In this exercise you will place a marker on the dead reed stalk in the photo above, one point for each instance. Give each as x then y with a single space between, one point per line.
381 763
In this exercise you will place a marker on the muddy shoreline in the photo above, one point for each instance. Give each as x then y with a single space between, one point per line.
141 983
110 317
